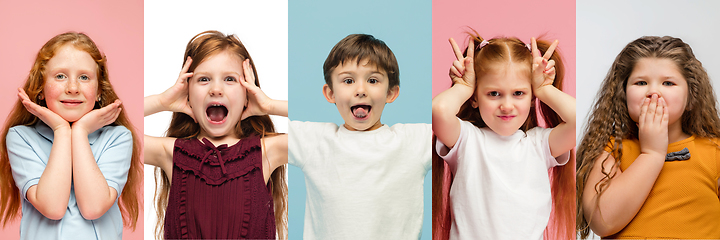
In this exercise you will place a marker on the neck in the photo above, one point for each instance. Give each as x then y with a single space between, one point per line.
675 132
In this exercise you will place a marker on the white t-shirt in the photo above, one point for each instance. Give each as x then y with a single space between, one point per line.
362 185
501 188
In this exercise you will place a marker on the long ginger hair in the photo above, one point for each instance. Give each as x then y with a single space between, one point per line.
609 118
495 55
201 47
129 201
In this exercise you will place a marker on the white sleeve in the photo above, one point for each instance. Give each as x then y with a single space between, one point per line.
295 143
541 139
451 155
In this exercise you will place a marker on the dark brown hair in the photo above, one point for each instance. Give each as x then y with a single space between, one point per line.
359 47
129 201
495 55
201 47
609 118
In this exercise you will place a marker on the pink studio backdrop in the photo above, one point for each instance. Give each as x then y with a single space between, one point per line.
115 26
522 19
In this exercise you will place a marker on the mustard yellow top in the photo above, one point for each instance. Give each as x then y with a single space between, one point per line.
684 202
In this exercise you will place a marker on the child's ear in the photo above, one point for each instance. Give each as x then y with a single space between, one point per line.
41 95
328 92
474 102
392 94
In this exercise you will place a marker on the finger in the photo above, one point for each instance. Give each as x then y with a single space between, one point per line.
652 108
184 77
549 52
471 49
535 51
459 67
250 76
550 65
186 67
666 113
659 111
456 49
454 71
643 111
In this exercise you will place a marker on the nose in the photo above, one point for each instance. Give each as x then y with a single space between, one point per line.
506 105
360 90
653 89
216 89
71 87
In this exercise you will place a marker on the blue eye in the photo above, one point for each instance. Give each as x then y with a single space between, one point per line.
84 77
372 80
230 79
494 94
60 76
348 81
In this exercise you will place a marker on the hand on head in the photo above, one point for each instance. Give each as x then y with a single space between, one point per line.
175 98
463 70
258 103
543 69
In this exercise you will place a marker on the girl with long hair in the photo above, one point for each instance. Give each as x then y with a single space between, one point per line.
491 141
221 168
69 154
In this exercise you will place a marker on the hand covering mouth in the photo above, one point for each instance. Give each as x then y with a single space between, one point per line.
360 111
216 112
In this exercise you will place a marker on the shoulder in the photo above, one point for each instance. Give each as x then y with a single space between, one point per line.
114 133
313 126
22 133
412 128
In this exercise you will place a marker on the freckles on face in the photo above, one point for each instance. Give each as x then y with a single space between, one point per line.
504 100
657 76
71 84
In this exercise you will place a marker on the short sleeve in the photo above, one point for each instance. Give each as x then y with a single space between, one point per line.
25 160
451 155
297 139
541 139
116 156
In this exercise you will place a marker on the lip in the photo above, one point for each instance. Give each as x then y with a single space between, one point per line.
366 116
216 103
506 117
71 102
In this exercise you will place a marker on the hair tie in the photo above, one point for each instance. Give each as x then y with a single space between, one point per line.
527 45
482 44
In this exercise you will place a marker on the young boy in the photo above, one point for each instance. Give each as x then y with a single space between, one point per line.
364 179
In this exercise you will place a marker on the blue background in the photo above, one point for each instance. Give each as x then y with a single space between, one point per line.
314 28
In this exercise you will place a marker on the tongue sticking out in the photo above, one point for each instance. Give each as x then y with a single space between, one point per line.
216 113
361 111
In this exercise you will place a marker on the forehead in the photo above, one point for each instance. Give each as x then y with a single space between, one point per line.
222 61
70 58
355 66
509 76
656 67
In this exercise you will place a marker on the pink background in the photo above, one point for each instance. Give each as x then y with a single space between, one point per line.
115 26
522 19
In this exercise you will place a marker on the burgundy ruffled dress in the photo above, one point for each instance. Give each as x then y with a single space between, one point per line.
219 192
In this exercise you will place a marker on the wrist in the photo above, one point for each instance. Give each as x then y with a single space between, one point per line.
464 90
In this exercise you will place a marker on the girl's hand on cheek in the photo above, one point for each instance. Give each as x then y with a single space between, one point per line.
653 126
543 69
258 102
95 119
463 70
176 97
52 119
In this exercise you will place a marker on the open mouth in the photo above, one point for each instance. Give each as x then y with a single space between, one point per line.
360 111
216 113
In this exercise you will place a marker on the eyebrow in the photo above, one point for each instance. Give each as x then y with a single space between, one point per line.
222 73
350 72
65 69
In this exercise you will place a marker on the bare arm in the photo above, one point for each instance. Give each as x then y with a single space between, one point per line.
446 105
275 151
158 152
562 137
627 191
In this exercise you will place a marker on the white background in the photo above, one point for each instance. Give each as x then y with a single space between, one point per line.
169 26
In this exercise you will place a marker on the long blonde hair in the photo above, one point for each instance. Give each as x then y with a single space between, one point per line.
201 47
609 117
495 54
129 201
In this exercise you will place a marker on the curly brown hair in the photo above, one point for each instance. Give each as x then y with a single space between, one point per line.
609 118
201 47
497 53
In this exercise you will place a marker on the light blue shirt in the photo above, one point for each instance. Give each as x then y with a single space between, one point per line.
29 149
